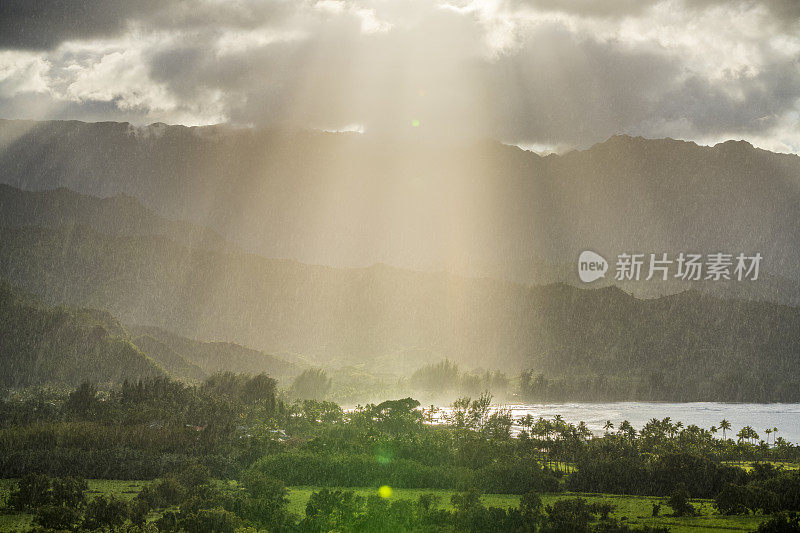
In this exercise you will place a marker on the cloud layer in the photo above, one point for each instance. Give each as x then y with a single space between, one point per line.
533 72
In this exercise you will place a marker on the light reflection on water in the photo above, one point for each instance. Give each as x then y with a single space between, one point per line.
784 416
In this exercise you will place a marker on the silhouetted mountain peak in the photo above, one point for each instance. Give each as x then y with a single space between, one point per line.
479 210
731 144
641 144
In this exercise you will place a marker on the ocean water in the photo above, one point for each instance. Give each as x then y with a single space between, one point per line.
784 416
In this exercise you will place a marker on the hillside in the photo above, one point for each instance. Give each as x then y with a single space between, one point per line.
211 357
176 364
686 346
64 346
118 215
482 209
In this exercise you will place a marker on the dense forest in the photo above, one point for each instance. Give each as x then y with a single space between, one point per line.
222 452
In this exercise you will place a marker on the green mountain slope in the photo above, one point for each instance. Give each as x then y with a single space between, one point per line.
176 364
211 357
688 346
64 346
67 345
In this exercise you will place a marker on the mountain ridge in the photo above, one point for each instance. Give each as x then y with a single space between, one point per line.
479 210
694 344
122 215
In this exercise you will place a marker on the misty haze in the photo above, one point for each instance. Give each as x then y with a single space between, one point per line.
386 266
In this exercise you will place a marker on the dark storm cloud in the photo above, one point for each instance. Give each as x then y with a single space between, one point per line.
44 24
567 72
346 76
555 88
576 91
745 104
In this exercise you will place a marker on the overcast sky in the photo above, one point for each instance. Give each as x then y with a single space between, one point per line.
539 73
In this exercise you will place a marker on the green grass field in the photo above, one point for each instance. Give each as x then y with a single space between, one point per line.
748 466
634 510
23 522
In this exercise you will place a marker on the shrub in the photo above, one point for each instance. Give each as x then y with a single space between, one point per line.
265 502
105 511
38 490
32 492
206 520
570 515
170 491
138 511
781 523
57 517
679 501
194 475
761 499
68 491
148 497
530 505
787 488
168 521
516 478
732 500
360 471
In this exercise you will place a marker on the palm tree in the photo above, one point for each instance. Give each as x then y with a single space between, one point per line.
608 426
780 443
540 429
583 430
749 434
724 425
763 447
527 422
627 429
713 430
768 431
743 434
